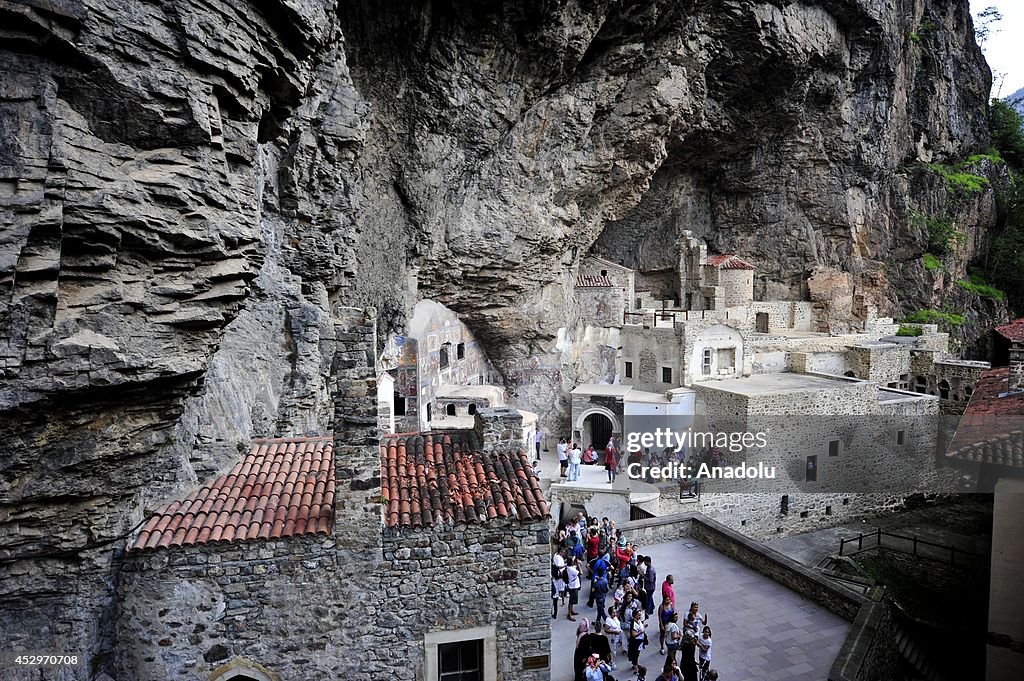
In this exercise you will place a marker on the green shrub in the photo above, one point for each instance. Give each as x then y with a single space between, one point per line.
916 37
976 283
909 330
943 319
959 181
931 262
992 155
943 235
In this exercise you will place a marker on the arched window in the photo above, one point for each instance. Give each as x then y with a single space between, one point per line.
472 408
944 389
450 410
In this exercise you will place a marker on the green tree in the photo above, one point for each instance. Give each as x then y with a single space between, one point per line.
1006 128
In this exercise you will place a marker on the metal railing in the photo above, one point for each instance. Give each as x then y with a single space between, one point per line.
912 545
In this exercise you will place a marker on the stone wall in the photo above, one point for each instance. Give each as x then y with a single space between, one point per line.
463 577
884 363
286 605
737 287
621 277
649 350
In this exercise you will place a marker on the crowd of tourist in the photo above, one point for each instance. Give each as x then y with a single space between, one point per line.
624 588
571 456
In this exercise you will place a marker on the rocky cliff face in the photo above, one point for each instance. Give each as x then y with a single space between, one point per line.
187 187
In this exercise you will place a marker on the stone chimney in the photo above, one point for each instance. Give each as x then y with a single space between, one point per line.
1016 373
499 428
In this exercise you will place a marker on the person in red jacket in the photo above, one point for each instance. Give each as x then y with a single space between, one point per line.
593 542
611 461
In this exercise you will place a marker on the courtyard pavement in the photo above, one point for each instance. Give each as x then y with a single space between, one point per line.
762 631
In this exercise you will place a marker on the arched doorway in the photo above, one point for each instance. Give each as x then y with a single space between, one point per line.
597 430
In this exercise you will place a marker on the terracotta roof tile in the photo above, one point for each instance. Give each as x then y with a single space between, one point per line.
1014 331
593 281
253 501
428 480
729 261
991 429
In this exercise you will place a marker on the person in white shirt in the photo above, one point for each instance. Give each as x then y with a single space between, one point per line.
573 584
704 651
575 459
694 620
558 561
563 455
613 628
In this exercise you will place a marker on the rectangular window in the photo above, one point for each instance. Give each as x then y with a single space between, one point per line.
399 405
726 360
833 448
705 367
900 438
666 374
460 351
812 469
460 661
629 370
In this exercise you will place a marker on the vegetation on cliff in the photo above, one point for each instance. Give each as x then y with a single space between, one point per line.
1004 264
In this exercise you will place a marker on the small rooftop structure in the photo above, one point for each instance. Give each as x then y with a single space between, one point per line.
283 487
728 261
432 479
1014 331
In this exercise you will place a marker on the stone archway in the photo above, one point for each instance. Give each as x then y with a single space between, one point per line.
604 420
241 669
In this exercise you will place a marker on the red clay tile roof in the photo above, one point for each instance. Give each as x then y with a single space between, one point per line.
283 487
728 262
992 427
1014 331
593 281
431 479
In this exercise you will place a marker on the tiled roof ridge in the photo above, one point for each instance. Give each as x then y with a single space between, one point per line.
294 438
728 261
282 487
434 479
593 281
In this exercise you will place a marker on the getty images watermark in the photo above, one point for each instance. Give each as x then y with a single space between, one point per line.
680 442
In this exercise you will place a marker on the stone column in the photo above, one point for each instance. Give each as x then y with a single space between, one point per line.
1017 366
499 428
